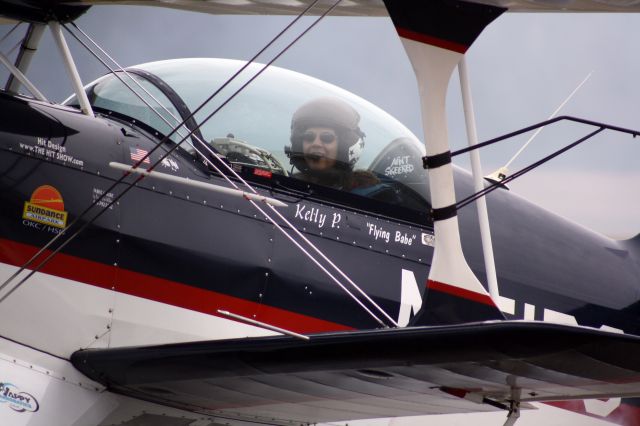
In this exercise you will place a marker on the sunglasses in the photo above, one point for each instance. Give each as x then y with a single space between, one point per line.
325 137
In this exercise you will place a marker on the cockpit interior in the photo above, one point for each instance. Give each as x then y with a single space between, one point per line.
255 129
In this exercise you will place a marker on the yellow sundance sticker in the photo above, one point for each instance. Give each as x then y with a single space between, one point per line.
46 206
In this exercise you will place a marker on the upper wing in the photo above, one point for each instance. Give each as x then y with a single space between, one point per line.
367 7
378 373
31 10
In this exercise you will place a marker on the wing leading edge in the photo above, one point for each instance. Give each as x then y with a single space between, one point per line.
377 373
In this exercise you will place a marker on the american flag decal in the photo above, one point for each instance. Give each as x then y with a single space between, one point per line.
138 154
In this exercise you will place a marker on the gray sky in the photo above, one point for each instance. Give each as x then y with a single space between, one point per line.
522 67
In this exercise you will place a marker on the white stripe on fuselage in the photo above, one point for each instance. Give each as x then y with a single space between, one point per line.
60 316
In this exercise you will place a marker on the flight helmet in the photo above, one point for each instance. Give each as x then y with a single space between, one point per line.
335 114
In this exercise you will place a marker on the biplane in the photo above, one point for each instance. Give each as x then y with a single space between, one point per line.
209 241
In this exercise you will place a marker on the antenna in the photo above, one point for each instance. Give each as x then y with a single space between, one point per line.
499 175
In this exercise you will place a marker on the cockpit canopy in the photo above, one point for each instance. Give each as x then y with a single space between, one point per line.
255 127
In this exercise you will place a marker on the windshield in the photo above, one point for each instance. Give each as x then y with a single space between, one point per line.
286 123
109 93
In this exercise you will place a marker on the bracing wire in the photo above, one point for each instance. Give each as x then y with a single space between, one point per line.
230 169
550 117
284 232
4 37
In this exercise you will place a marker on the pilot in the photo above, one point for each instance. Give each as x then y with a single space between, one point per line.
326 142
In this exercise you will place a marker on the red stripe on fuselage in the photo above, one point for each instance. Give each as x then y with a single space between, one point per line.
433 41
460 292
161 290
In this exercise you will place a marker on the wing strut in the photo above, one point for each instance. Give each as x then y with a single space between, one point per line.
85 105
435 35
28 48
478 183
19 75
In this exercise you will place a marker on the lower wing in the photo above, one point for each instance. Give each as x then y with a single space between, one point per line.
377 373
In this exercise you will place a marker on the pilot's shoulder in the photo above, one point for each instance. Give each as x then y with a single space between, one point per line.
363 179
